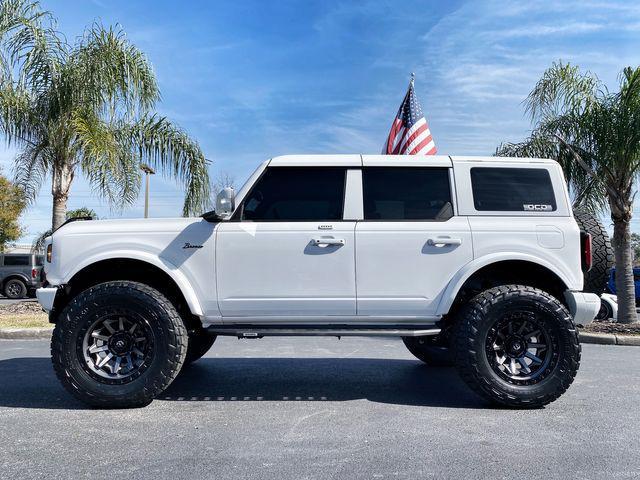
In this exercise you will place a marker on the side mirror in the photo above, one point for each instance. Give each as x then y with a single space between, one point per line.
225 202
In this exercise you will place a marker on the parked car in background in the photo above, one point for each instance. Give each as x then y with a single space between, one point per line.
609 300
636 279
608 308
20 274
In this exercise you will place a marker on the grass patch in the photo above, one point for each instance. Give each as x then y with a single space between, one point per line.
612 327
36 320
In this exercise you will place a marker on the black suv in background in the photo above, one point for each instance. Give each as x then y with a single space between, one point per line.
20 274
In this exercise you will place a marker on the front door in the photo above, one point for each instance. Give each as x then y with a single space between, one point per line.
288 254
410 244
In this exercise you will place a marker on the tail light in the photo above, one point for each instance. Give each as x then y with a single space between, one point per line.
585 248
34 273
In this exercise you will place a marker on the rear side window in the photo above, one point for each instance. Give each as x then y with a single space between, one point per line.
512 189
16 260
406 193
290 194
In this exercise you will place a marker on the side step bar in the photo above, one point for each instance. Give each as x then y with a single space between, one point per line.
248 332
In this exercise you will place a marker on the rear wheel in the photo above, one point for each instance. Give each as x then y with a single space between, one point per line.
15 288
432 350
118 344
517 346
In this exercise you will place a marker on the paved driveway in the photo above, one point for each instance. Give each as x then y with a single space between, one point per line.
287 408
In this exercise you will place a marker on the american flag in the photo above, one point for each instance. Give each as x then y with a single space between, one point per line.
410 134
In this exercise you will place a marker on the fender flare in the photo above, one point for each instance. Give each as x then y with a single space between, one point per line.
456 283
167 267
19 276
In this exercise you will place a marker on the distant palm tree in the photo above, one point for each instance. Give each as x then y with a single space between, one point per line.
86 109
595 135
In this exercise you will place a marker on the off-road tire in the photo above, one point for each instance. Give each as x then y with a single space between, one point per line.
595 280
15 289
478 317
169 337
433 350
200 342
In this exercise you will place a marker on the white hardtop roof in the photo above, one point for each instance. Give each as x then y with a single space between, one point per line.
356 160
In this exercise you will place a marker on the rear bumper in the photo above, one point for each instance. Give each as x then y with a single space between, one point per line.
46 297
583 306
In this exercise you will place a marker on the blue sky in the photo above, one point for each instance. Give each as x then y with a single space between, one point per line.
253 79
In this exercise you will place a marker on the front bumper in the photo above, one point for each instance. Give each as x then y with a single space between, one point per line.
583 306
46 297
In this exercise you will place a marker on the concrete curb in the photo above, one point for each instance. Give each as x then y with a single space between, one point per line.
25 333
609 339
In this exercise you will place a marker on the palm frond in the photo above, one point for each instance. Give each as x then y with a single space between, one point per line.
31 167
18 121
110 74
168 149
31 44
562 88
109 166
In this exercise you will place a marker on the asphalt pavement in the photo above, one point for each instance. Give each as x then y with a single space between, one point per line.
307 408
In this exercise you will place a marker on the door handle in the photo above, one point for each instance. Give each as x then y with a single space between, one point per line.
320 242
441 241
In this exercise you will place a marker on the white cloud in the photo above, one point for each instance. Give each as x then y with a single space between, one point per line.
572 28
480 61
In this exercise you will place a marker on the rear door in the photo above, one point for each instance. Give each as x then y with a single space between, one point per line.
411 242
288 254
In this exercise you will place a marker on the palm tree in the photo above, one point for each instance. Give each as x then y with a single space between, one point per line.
595 135
86 109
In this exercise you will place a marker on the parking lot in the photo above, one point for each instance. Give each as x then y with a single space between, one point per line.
319 408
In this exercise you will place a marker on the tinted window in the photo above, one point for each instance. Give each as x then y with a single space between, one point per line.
40 260
397 193
296 195
512 189
16 260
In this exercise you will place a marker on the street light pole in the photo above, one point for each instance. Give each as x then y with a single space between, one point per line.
148 171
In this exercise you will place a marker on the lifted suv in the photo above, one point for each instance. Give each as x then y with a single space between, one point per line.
472 261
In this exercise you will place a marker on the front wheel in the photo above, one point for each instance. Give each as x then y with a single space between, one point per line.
118 344
517 346
15 288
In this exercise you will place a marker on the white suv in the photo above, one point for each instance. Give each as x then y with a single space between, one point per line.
473 261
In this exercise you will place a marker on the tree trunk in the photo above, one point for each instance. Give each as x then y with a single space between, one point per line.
59 210
62 178
625 285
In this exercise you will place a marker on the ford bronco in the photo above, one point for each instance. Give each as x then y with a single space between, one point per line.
472 261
